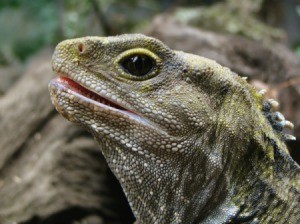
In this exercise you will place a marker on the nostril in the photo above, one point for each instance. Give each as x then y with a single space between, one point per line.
80 48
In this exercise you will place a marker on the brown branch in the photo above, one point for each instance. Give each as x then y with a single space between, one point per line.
287 83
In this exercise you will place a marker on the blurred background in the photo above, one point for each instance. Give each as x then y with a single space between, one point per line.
28 26
51 171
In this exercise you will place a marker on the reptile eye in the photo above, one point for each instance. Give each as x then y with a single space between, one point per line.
138 64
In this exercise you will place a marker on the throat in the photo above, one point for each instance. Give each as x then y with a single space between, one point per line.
164 198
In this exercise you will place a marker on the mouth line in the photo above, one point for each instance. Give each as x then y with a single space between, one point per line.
87 94
66 83
83 93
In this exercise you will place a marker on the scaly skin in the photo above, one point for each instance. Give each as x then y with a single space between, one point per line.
189 141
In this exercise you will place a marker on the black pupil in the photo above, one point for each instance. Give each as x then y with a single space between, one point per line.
138 65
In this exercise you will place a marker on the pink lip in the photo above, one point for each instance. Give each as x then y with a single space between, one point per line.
81 90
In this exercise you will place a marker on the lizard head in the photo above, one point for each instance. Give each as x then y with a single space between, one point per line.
167 121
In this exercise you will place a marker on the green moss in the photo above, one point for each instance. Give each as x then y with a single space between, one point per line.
231 17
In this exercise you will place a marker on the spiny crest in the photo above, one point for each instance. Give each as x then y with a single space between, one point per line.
275 118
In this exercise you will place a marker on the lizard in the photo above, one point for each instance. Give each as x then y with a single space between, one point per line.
189 140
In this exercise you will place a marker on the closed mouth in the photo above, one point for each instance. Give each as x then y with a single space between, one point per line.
99 102
85 93
96 101
81 90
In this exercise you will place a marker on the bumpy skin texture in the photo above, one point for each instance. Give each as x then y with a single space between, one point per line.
190 144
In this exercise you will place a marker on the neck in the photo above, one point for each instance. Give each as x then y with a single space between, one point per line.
195 191
171 193
269 192
192 197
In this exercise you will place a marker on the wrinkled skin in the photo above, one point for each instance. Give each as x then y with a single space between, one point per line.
188 140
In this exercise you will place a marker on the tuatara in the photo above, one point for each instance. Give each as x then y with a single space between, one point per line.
189 140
